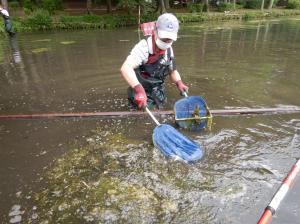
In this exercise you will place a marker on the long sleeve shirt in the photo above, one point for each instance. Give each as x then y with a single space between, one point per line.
4 13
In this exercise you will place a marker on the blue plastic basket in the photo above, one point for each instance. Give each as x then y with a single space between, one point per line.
192 113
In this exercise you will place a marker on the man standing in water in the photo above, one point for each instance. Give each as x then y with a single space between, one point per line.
150 62
7 23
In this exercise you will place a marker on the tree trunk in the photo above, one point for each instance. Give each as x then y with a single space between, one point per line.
4 4
167 4
126 7
161 7
207 5
234 2
271 4
262 5
89 6
108 6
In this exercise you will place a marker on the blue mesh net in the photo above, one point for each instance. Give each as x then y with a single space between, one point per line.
173 144
188 112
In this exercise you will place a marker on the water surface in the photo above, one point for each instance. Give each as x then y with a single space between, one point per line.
232 65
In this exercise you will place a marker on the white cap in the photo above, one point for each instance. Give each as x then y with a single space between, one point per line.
167 26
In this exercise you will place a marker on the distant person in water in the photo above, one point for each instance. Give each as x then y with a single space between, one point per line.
7 23
150 62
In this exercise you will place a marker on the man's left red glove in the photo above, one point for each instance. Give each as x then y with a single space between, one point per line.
182 87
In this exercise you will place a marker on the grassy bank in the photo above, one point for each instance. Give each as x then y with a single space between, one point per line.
41 20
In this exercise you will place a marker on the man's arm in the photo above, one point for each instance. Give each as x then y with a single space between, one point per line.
127 71
138 55
175 77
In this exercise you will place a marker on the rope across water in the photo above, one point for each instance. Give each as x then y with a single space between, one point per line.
223 112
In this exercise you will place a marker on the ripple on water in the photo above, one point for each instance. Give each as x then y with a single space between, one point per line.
121 177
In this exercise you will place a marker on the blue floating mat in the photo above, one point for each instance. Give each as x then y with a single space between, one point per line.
173 144
192 113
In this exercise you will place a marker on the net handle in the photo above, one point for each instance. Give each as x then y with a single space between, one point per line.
152 116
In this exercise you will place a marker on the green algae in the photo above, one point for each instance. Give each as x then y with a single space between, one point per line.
40 50
113 179
42 40
67 42
232 191
82 187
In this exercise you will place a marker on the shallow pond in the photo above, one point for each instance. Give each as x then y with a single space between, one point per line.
107 170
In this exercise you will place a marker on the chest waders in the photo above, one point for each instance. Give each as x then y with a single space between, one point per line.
152 77
8 25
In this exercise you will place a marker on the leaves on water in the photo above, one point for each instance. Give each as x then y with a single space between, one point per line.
42 40
40 50
67 42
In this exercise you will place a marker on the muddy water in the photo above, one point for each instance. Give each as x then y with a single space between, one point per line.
107 170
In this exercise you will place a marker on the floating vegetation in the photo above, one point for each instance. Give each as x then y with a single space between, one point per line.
42 40
67 42
232 190
40 50
115 178
121 179
15 214
112 179
87 185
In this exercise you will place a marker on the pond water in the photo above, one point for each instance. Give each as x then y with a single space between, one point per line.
107 170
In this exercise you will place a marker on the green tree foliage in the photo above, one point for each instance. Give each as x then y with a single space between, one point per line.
128 5
293 4
49 5
222 7
253 4
52 5
40 20
195 7
256 4
147 6
13 5
29 5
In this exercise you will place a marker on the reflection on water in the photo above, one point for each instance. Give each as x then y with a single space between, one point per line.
13 41
117 175
249 66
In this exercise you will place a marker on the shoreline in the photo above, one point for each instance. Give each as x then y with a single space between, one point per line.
43 21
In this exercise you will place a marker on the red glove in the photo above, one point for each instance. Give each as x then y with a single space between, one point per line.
140 97
181 86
